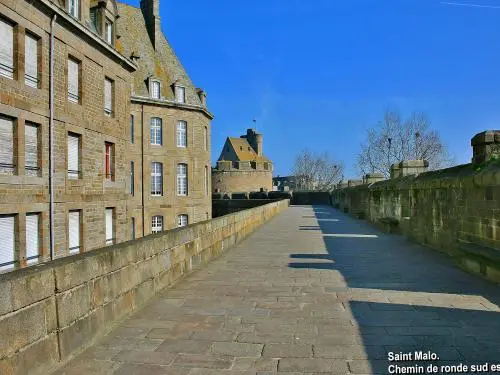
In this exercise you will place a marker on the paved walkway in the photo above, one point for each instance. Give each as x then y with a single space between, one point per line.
313 291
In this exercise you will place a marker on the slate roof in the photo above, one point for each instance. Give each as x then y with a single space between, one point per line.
243 150
162 63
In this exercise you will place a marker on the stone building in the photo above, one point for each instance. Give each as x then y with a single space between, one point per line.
169 147
70 82
242 166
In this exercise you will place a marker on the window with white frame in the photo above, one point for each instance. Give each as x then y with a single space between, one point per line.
74 231
156 224
7 165
74 8
94 19
109 31
182 220
31 149
182 134
155 89
182 181
180 94
7 242
32 237
108 97
156 179
73 156
6 49
108 217
31 60
156 131
73 80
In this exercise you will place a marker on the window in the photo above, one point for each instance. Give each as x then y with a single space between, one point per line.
133 228
109 32
182 134
32 237
32 156
155 89
180 94
73 80
110 239
182 186
73 8
206 180
31 60
266 166
7 165
73 156
7 242
156 224
94 19
156 131
74 231
132 178
6 49
108 97
182 220
156 179
205 138
132 128
109 167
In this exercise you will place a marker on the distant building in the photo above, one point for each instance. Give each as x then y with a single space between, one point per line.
284 183
242 167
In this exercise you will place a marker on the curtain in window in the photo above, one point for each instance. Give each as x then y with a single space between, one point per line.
6 49
109 226
74 231
6 145
73 81
108 104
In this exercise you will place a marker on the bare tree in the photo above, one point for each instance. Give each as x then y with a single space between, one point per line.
396 139
317 172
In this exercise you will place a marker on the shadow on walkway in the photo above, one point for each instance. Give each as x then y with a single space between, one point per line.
404 297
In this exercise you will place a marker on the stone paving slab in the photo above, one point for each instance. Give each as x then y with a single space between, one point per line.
305 294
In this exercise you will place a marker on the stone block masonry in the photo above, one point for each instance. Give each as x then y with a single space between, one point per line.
52 311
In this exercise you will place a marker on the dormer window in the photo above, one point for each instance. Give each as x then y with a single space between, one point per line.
109 31
94 19
180 94
73 8
155 89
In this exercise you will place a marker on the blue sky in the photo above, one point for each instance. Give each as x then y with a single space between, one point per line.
317 73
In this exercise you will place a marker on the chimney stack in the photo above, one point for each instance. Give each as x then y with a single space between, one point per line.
151 12
255 139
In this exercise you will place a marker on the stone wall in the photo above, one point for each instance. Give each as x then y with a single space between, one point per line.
221 207
234 180
454 210
54 310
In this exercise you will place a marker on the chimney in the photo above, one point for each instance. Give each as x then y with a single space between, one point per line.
255 139
203 97
151 12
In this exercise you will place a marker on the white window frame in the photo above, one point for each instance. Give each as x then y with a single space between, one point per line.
73 161
95 22
109 225
182 179
180 94
74 8
31 60
155 89
108 25
7 66
182 220
73 80
156 131
156 224
156 179
181 134
108 97
74 247
7 242
33 238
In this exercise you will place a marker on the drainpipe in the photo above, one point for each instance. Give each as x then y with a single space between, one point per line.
142 170
51 137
